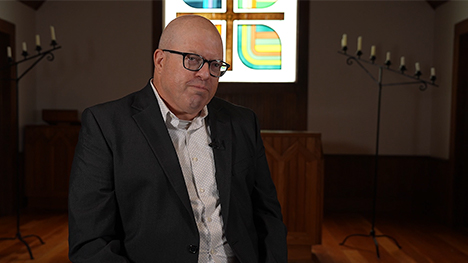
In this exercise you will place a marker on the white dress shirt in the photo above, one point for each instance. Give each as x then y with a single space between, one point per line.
191 140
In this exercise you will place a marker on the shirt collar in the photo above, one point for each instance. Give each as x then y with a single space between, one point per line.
170 118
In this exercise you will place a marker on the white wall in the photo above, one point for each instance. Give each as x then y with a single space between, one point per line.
447 16
343 98
106 52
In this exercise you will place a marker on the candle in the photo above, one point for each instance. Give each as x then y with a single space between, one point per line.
402 61
25 48
433 72
344 40
52 33
372 51
416 66
359 43
38 40
388 56
9 52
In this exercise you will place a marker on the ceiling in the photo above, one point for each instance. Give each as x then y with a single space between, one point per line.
435 3
38 3
33 4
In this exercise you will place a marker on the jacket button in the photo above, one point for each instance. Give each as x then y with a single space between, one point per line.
193 249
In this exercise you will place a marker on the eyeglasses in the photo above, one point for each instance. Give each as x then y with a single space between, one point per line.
195 62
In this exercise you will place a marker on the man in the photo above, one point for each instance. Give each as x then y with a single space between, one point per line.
171 174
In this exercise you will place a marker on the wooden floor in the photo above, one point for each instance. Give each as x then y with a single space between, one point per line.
52 228
421 240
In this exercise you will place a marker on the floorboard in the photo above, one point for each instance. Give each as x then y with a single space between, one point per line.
421 240
52 228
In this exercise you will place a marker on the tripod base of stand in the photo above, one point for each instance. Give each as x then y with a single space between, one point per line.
21 238
374 237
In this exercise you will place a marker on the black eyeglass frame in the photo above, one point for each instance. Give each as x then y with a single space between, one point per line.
184 54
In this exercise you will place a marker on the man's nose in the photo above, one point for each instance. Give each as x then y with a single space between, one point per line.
204 72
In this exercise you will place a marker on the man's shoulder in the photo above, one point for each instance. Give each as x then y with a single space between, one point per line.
220 104
124 102
222 109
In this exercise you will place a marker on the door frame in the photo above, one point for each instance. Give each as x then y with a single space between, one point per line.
458 184
8 122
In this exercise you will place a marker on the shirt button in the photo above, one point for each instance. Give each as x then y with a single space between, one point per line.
212 252
202 190
194 159
208 219
193 249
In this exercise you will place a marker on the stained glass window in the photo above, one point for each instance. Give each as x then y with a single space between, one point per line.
259 36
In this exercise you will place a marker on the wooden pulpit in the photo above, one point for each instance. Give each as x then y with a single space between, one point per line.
296 164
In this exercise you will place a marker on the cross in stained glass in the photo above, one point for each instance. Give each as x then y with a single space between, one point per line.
230 16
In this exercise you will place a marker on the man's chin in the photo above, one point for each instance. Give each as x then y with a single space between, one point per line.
197 104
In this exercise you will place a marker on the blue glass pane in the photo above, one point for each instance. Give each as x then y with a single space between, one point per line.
205 4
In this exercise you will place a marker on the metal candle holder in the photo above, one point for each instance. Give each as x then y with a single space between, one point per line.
415 80
49 55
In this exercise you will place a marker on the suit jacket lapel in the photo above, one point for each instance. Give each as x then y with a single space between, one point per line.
148 118
221 135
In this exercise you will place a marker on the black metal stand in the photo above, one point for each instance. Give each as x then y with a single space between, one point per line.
38 57
379 81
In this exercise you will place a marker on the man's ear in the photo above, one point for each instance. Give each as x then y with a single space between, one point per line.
158 59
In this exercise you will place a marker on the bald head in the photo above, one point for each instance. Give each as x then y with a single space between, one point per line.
185 28
186 91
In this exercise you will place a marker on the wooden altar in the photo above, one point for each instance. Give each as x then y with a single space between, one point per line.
296 165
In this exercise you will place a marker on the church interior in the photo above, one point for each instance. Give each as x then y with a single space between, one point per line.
369 159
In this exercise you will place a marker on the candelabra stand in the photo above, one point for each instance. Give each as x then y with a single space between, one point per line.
40 55
415 80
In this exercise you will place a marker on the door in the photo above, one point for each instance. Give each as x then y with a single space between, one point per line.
8 122
459 143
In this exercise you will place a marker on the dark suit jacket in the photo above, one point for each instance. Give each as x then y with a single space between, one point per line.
128 200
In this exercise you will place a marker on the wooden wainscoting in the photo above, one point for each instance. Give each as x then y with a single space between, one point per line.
48 155
405 185
296 165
